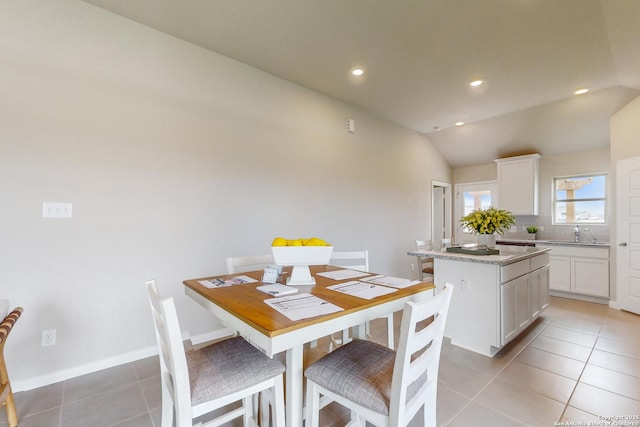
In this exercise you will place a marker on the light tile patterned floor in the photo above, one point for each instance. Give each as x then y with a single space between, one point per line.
579 362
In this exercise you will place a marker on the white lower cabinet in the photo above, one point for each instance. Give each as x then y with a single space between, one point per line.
560 274
539 291
515 307
492 303
523 299
590 276
579 270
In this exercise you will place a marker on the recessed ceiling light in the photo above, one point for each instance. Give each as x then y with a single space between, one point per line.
357 71
581 91
459 123
476 83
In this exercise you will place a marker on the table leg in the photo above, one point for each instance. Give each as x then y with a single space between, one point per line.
361 331
294 398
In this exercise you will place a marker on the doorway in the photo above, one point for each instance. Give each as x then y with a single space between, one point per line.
470 197
440 212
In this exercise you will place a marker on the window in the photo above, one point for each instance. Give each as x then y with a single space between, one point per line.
579 199
470 197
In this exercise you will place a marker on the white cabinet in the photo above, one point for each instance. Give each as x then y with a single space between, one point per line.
590 276
509 321
518 184
492 303
515 307
539 291
579 270
525 297
560 273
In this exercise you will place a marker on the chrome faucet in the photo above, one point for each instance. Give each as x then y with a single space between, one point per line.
593 238
576 233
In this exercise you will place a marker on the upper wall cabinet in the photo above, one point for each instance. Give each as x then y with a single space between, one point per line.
518 184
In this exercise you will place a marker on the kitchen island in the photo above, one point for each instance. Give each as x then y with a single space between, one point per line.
495 297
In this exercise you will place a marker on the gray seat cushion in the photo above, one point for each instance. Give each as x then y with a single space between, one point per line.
362 372
226 367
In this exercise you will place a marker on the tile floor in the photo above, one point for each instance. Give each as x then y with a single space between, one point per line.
579 362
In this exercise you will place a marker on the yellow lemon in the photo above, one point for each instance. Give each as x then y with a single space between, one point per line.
279 241
296 242
318 242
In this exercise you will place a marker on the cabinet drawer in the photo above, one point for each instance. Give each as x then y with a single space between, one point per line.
517 269
539 261
581 251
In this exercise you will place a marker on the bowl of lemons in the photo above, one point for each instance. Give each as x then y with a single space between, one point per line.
300 254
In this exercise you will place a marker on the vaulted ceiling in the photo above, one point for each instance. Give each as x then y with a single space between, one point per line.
419 57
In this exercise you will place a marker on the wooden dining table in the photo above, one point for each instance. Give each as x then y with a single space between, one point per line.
242 308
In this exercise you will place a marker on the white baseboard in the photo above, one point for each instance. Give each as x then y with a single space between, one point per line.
211 336
65 374
587 298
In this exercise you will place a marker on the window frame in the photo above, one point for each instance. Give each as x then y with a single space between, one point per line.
604 200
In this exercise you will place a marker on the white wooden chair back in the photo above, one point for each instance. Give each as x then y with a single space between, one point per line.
356 260
174 375
425 265
423 244
419 353
248 263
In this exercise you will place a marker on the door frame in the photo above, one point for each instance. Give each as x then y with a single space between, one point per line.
445 214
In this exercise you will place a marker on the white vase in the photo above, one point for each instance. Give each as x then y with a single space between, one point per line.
488 240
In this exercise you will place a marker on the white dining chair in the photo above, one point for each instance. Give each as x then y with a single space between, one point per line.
248 263
382 386
425 263
197 382
357 260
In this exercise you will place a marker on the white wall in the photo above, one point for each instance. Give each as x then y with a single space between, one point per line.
625 132
550 166
174 158
479 173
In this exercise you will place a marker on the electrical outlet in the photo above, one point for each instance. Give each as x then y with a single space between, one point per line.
48 338
57 210
413 267
351 126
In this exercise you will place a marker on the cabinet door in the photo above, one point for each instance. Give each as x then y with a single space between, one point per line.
509 323
543 286
560 273
523 316
514 307
534 294
518 184
590 276
538 291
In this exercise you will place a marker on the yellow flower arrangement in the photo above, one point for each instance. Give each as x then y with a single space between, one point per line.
488 221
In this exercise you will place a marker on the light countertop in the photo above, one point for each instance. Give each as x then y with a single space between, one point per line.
508 255
556 242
